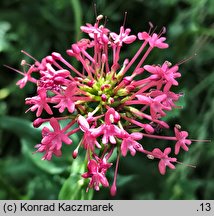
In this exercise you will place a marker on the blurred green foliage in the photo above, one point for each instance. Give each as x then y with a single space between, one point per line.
41 27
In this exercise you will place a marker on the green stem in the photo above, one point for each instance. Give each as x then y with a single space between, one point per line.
77 16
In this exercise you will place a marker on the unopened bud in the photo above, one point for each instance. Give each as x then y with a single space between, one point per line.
75 153
90 83
130 88
111 100
38 122
105 86
103 97
148 128
56 55
59 80
103 58
127 80
113 190
122 92
49 59
75 48
116 117
70 52
139 70
63 73
126 61
105 38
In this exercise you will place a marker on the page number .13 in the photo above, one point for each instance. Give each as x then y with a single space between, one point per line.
205 206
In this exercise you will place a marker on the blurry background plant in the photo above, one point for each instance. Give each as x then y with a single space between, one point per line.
40 27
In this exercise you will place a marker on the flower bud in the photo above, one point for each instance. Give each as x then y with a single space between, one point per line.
139 70
103 58
75 49
103 97
116 117
126 61
111 100
75 153
122 92
105 39
70 52
127 80
149 129
49 59
38 122
90 83
113 190
56 56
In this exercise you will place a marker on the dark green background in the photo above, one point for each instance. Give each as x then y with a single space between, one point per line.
41 27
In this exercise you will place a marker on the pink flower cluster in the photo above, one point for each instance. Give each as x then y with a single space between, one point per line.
117 104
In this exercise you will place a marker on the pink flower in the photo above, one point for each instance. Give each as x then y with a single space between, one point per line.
156 105
98 32
123 37
52 79
130 144
170 99
165 160
164 74
66 99
27 77
52 140
112 116
182 142
154 40
108 129
39 103
96 171
89 138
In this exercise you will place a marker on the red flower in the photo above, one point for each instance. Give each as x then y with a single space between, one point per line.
165 160
108 129
39 103
164 74
156 105
154 40
52 140
66 99
123 37
96 173
130 144
89 138
182 142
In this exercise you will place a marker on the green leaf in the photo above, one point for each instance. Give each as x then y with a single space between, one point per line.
77 11
124 180
74 188
4 27
21 127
